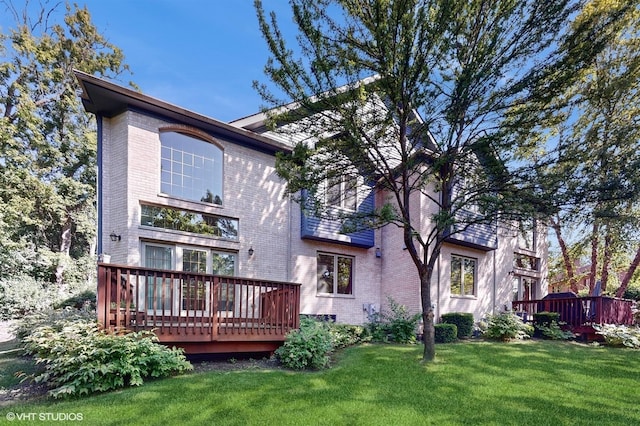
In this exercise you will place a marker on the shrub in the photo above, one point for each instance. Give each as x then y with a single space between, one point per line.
542 321
307 347
54 318
22 295
445 332
83 300
80 358
506 326
553 331
619 335
347 335
396 326
462 320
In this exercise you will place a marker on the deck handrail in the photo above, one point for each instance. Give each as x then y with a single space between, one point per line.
578 311
188 306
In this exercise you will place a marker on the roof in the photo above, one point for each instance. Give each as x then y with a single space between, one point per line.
108 99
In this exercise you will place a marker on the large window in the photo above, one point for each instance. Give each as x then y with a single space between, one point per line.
463 276
524 261
190 168
182 220
342 192
194 293
335 274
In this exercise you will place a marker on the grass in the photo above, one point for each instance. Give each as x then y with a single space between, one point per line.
12 362
529 383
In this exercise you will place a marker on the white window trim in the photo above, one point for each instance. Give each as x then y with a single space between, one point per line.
334 292
474 294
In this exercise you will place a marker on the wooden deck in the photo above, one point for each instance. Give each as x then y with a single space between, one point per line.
579 314
201 313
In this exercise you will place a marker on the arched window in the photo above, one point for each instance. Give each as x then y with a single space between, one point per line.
191 168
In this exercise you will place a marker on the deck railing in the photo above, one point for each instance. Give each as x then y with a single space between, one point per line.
193 307
579 311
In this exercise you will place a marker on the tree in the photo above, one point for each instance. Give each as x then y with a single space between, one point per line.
473 71
600 154
48 142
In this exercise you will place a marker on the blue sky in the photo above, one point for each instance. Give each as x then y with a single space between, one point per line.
198 54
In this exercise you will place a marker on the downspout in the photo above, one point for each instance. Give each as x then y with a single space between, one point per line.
493 296
99 200
438 288
289 248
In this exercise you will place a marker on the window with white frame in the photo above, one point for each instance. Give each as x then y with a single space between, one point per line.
342 192
524 288
527 234
335 274
191 168
193 295
463 276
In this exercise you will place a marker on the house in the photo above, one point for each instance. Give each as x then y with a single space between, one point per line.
185 193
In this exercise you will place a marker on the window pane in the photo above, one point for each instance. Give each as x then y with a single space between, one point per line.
194 261
344 275
325 273
469 276
224 264
456 275
350 193
181 220
187 160
334 192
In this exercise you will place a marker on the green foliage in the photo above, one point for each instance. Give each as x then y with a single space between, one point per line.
446 332
632 293
50 317
80 358
48 143
82 300
344 335
307 347
545 318
396 325
463 322
506 326
619 335
553 331
24 294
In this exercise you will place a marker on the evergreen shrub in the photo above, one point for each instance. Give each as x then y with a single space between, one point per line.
463 321
445 332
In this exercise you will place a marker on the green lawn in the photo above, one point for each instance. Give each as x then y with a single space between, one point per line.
528 383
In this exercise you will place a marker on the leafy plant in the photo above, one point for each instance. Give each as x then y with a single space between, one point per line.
445 332
619 335
463 322
307 347
553 331
347 335
50 317
23 295
396 325
506 326
80 358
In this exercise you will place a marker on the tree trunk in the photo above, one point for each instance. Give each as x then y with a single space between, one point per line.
627 276
606 261
594 257
65 247
428 316
566 258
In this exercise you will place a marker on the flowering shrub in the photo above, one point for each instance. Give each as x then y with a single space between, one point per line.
619 335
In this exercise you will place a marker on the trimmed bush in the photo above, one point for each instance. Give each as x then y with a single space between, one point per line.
307 347
80 358
462 320
507 326
83 300
445 332
545 318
